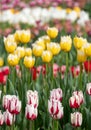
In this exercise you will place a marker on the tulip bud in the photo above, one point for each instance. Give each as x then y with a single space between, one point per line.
55 109
1 119
56 94
32 98
76 119
31 112
88 88
8 118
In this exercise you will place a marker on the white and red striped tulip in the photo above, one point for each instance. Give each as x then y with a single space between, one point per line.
56 94
76 119
1 118
80 95
88 88
32 98
74 101
55 109
6 101
15 105
31 112
8 118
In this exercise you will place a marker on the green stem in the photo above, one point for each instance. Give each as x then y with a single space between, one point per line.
80 79
55 125
67 63
88 70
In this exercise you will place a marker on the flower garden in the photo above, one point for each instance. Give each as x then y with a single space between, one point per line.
45 65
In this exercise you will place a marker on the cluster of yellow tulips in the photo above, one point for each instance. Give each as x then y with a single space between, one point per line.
44 47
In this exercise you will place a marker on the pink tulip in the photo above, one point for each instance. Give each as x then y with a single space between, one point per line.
8 118
31 112
6 70
74 101
1 119
76 119
55 69
88 88
32 98
55 109
56 94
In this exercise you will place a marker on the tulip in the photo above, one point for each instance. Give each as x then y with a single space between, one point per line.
46 56
20 51
55 109
23 36
81 56
8 118
66 43
10 38
1 118
74 101
88 88
79 42
31 112
54 48
52 32
1 62
6 101
46 39
37 50
6 70
56 94
29 61
80 95
32 98
14 105
87 66
55 70
76 119
28 52
13 59
41 43
75 71
88 49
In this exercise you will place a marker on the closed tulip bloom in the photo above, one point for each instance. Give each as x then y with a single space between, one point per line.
20 51
1 118
8 118
46 56
87 49
14 105
6 101
23 36
13 59
46 39
76 119
74 101
32 98
81 56
10 46
1 62
31 113
52 32
41 42
6 70
79 42
28 51
80 95
55 109
37 50
88 88
54 48
29 61
66 43
56 94
55 69
9 38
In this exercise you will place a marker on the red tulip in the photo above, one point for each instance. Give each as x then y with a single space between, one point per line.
87 66
8 118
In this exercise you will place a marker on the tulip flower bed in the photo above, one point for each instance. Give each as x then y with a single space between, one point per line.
45 85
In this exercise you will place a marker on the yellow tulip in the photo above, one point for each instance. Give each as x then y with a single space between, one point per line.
12 59
81 56
52 32
28 51
87 49
77 10
46 56
29 61
20 51
9 38
22 36
54 48
46 39
66 43
79 42
1 62
68 10
10 46
41 42
37 50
